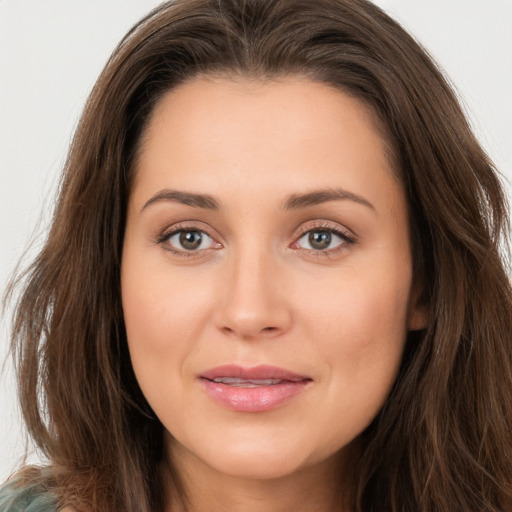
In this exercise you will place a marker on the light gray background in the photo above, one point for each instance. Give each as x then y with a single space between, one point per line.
52 51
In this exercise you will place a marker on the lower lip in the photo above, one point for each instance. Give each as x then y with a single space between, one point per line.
257 399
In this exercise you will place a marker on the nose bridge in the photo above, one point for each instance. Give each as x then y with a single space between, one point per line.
253 302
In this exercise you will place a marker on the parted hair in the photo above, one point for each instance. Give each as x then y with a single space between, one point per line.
442 442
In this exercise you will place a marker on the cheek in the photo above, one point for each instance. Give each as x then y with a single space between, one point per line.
365 316
360 328
359 331
164 313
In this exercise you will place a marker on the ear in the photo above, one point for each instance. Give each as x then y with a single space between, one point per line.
417 317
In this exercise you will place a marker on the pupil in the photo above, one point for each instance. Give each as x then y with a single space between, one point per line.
320 239
190 240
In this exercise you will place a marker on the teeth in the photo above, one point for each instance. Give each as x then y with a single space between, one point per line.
245 383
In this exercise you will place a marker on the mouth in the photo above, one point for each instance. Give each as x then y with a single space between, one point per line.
257 389
250 383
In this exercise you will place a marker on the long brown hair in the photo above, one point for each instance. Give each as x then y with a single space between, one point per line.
443 440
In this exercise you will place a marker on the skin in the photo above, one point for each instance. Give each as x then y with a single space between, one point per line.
257 291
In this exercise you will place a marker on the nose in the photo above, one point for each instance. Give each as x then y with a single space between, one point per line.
253 302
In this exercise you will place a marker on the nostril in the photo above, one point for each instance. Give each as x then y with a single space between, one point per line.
250 333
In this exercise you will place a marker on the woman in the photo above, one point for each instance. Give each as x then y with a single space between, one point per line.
274 280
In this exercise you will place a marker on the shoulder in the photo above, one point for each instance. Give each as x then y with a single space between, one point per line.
18 497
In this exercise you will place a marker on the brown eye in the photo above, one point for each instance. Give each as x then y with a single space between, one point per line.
322 240
319 240
189 240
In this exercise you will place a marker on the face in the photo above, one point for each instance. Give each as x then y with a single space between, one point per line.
266 274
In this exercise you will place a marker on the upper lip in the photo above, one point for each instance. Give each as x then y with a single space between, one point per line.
261 372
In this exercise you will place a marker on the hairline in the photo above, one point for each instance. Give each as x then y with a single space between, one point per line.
237 76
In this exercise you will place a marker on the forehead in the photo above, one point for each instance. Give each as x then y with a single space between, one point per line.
251 129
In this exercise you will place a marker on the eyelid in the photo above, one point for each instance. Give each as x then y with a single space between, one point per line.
174 229
324 225
345 234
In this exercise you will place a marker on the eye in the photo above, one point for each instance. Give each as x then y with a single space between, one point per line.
188 240
323 240
319 240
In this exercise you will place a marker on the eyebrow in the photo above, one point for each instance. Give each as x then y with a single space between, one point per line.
294 202
297 201
188 198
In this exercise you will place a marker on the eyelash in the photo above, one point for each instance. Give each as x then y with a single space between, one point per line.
180 228
324 226
318 226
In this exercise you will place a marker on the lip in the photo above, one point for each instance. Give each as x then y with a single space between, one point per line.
245 395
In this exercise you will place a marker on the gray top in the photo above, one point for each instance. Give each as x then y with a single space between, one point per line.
26 498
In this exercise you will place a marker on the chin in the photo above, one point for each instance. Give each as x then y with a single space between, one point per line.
265 457
259 464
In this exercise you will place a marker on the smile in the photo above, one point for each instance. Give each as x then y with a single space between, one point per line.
242 383
252 389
